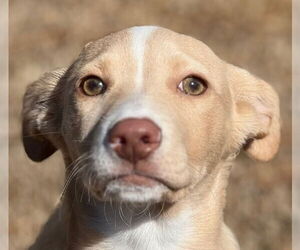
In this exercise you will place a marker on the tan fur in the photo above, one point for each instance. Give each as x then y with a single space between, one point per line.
201 134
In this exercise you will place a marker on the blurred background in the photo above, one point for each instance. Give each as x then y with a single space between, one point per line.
254 34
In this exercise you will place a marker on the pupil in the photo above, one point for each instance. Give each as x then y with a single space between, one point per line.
194 86
94 84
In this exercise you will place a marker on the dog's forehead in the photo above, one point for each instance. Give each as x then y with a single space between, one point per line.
148 43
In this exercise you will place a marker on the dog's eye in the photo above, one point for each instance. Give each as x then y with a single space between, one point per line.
192 86
93 86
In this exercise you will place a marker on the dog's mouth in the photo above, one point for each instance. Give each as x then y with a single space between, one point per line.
133 188
140 183
135 179
139 180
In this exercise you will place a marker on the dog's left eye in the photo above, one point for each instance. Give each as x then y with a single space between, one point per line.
92 86
192 86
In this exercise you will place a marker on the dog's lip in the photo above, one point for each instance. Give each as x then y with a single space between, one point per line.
139 180
142 180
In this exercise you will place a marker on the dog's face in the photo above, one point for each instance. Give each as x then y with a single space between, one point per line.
144 114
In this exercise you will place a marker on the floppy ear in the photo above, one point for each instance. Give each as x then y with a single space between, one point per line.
40 113
256 119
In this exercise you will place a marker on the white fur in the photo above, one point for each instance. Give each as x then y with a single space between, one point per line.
134 194
159 234
139 38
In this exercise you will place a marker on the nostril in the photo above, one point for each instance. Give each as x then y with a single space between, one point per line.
122 140
146 139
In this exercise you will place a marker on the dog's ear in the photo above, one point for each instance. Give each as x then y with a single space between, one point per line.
40 112
256 119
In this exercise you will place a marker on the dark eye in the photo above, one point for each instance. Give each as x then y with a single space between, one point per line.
92 86
192 86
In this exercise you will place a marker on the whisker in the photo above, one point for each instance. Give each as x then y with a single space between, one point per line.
89 187
104 210
121 214
115 212
81 197
77 160
161 210
76 181
67 183
77 168
141 213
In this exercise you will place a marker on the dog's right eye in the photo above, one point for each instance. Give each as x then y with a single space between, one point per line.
92 86
192 86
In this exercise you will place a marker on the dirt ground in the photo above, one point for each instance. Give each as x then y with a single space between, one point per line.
254 34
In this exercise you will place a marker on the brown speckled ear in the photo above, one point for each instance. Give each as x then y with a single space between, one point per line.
40 111
256 124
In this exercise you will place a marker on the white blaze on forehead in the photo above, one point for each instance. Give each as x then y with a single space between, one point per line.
140 36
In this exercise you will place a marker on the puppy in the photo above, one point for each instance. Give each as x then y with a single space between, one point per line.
148 121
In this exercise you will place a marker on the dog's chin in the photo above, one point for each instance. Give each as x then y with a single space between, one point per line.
136 189
122 191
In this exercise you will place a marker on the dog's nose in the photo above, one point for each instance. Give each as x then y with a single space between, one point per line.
134 139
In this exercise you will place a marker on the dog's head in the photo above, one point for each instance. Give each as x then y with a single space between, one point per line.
145 113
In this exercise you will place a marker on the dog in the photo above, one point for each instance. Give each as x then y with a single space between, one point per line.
148 122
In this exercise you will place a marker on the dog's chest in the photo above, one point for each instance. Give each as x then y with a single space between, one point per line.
150 235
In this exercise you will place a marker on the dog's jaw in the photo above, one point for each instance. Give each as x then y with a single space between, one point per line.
158 234
194 222
118 190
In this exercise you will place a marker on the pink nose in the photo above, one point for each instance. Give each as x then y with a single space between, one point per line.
134 139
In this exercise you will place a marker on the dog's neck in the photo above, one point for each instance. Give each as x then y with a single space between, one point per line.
194 221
